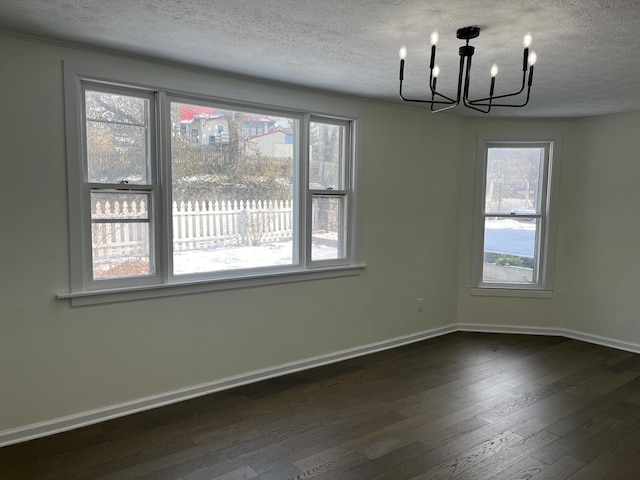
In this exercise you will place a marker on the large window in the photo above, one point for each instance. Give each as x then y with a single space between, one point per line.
170 190
232 200
513 230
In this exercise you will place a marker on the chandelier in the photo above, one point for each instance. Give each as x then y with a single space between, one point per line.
440 102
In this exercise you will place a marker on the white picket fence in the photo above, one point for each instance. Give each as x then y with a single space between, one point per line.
196 225
200 225
115 231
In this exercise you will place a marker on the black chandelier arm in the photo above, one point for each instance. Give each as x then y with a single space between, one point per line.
467 78
482 102
496 97
444 108
433 80
457 102
432 101
475 106
467 81
434 92
447 101
491 104
432 84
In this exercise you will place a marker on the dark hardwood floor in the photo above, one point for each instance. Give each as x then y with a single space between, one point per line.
464 406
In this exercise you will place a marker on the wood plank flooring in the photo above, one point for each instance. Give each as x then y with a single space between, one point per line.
463 406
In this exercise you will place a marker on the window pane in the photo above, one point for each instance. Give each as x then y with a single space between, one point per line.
116 153
327 236
326 156
119 205
117 138
232 189
514 180
120 234
114 108
510 250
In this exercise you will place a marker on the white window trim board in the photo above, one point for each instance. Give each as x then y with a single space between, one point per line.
82 292
549 246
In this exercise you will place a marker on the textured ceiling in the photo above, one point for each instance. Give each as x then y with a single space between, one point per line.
588 61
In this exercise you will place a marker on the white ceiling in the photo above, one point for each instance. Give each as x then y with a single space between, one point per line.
588 58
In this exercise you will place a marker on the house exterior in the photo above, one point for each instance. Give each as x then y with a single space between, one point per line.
277 144
206 126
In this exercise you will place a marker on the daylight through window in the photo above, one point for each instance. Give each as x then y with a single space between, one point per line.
232 189
514 215
174 188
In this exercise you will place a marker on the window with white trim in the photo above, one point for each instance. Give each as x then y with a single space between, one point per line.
233 200
328 189
121 187
167 189
514 231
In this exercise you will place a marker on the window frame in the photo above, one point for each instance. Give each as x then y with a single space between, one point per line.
298 160
86 291
345 193
547 217
152 187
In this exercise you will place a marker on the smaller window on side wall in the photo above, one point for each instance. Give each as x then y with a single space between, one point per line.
514 228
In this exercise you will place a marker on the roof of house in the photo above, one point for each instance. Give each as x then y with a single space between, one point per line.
191 112
273 133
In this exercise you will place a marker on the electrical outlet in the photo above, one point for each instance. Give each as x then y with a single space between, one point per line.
420 304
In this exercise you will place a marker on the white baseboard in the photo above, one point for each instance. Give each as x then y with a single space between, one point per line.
91 417
484 328
604 341
50 427
550 331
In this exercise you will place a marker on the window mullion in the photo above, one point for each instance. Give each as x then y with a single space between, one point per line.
513 215
153 139
541 267
87 250
163 162
304 195
328 192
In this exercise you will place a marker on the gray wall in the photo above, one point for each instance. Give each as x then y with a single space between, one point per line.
597 264
57 361
600 240
505 311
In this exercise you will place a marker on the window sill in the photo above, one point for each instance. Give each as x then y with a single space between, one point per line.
96 297
510 292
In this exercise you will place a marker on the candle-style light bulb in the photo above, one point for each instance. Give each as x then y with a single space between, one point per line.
533 58
493 71
434 37
436 71
526 41
403 52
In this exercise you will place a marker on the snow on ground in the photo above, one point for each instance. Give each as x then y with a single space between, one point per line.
233 258
511 224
